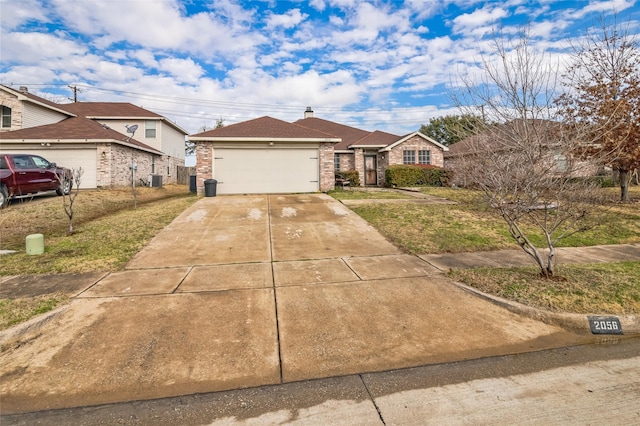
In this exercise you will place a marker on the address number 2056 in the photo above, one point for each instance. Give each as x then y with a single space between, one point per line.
605 325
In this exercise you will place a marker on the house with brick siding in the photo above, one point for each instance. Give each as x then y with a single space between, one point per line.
267 155
94 136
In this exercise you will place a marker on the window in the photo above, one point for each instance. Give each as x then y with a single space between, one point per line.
40 162
6 117
408 157
22 162
424 157
149 129
336 162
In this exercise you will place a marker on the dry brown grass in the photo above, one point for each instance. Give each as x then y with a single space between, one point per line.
45 214
607 288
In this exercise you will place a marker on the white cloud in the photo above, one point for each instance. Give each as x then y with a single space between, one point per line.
185 70
318 5
27 74
479 18
35 47
366 24
286 20
17 13
603 6
145 57
160 25
336 20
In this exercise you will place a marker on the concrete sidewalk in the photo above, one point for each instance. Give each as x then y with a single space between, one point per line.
248 291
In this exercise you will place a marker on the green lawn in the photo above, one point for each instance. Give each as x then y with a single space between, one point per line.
470 225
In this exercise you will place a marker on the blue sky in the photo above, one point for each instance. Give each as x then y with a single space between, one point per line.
383 65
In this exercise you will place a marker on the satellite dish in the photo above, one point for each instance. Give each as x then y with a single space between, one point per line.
132 129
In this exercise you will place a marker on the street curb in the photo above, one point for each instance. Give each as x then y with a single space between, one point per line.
574 322
15 332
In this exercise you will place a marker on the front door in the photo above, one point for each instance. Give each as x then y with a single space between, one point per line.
370 170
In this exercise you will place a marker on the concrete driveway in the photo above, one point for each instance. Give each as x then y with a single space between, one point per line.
243 291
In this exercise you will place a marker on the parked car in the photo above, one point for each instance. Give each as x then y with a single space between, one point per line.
24 174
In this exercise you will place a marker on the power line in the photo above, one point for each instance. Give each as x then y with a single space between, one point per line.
371 116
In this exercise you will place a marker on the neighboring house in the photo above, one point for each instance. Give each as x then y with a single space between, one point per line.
92 135
539 138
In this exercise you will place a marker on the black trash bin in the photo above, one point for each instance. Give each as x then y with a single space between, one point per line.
210 187
192 184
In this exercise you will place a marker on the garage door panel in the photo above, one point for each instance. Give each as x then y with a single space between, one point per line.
247 171
71 159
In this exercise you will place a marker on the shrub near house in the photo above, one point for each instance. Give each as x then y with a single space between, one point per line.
418 175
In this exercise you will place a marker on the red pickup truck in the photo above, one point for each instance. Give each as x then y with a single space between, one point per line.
23 174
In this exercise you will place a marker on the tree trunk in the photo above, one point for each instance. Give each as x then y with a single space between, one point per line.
550 269
625 178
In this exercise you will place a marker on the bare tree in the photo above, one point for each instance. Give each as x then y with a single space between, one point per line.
525 164
69 197
604 93
190 147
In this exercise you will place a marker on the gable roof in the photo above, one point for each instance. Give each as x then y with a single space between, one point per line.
116 110
109 110
377 139
264 129
348 134
409 136
24 95
500 136
74 129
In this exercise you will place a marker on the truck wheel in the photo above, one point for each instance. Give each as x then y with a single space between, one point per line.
4 197
65 187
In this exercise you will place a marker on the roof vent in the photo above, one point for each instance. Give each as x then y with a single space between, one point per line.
308 113
24 89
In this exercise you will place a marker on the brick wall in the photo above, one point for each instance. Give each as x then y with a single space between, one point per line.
114 163
416 143
327 167
346 162
204 164
358 163
12 102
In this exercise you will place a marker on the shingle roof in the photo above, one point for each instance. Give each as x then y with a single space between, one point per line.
499 137
37 99
108 110
377 139
349 135
74 128
264 127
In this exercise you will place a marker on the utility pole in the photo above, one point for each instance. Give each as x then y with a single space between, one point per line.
75 89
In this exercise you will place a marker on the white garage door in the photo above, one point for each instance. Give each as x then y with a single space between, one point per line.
266 171
71 159
75 158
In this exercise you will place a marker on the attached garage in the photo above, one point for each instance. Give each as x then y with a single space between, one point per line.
265 156
69 158
75 158
266 170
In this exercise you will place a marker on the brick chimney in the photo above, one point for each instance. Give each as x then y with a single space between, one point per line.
308 113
